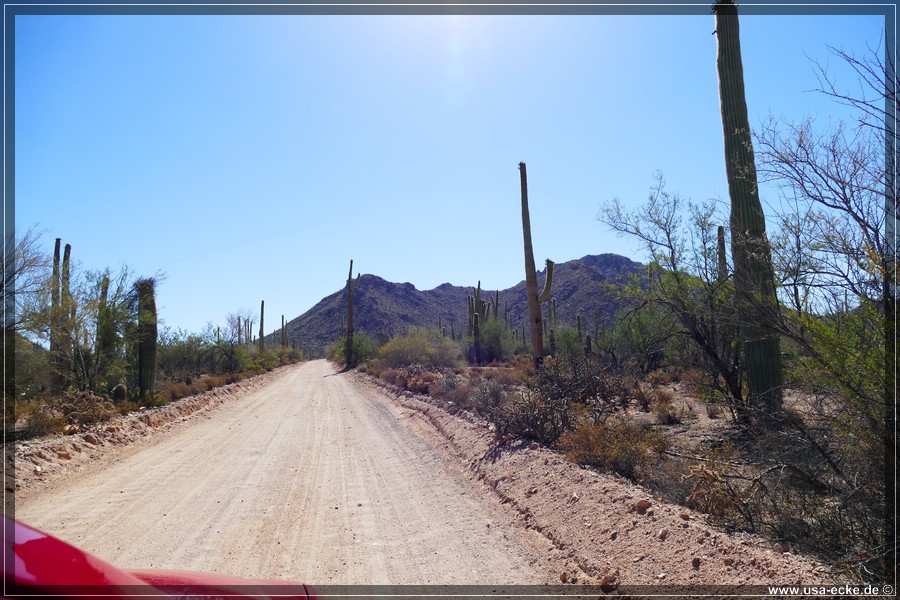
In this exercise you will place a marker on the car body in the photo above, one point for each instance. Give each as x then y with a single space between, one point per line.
38 564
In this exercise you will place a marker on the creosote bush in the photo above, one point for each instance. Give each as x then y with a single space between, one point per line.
420 347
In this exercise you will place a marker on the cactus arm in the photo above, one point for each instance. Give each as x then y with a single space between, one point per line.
548 283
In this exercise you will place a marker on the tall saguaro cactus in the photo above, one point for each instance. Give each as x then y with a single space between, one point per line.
147 334
106 331
534 299
55 322
349 357
262 335
754 280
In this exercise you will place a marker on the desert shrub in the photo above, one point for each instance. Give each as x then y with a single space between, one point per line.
41 420
617 445
507 376
778 482
418 382
712 404
452 388
664 408
661 377
641 397
716 487
364 349
413 378
487 396
530 415
696 381
126 406
405 351
394 377
176 390
80 407
666 413
583 381
496 343
554 396
420 347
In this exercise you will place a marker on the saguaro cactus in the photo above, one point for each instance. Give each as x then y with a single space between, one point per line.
262 335
106 330
534 299
55 321
753 275
147 333
479 312
349 356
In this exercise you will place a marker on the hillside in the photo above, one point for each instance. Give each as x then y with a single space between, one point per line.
588 286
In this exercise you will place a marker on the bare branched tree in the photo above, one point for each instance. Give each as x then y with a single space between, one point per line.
684 279
24 274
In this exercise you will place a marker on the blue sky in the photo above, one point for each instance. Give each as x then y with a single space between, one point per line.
251 157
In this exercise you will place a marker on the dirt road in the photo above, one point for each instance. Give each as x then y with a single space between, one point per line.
311 478
307 475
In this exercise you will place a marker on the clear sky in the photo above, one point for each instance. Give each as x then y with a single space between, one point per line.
251 157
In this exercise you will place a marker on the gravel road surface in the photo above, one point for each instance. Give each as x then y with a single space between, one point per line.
312 477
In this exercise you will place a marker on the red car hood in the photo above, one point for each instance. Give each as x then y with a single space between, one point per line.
38 563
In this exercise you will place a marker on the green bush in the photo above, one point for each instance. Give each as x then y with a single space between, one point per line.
420 347
364 349
498 344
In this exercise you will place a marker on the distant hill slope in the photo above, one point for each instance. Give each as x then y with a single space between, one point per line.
587 286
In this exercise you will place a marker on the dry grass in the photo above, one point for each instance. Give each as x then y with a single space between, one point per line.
618 445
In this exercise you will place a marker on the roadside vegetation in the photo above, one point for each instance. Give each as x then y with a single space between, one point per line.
770 408
88 344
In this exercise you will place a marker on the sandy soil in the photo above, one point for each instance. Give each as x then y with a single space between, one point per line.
308 475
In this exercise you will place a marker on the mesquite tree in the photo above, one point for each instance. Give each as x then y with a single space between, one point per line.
534 299
754 281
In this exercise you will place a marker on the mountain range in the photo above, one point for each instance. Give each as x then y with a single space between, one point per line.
588 286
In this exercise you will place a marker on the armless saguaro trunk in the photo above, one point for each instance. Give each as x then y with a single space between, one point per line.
147 333
262 336
106 333
349 356
55 322
754 280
